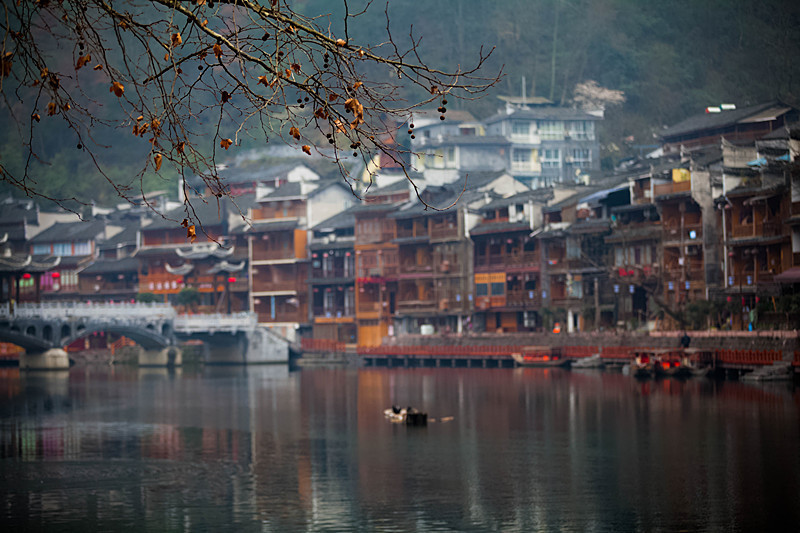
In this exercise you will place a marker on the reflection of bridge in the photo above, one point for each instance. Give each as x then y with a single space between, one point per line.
44 329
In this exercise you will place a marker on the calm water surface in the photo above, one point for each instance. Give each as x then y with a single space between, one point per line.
265 449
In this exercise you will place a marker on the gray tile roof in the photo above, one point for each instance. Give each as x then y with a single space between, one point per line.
70 232
712 121
208 213
543 113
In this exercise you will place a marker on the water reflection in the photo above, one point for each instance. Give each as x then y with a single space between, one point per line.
262 448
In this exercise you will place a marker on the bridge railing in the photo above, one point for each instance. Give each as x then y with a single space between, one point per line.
215 322
86 310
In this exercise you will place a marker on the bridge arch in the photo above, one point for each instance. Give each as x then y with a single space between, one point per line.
147 337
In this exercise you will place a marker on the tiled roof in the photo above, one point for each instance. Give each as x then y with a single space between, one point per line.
105 266
499 227
70 232
712 121
209 213
343 219
543 113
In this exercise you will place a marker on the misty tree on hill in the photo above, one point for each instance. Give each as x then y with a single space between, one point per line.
187 81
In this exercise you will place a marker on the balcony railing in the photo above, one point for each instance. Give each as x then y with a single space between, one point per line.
334 312
523 298
276 286
413 268
417 306
674 232
763 229
444 233
748 278
291 316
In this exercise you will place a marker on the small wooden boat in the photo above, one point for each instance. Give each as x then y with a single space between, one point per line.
671 362
642 364
409 416
540 356
699 362
593 361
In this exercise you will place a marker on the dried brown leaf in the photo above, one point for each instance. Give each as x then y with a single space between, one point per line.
157 159
307 149
294 132
117 88
225 143
217 49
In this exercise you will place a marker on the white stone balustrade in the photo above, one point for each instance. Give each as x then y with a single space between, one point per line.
87 310
215 323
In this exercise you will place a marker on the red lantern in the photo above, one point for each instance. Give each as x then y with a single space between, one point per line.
231 280
26 275
56 275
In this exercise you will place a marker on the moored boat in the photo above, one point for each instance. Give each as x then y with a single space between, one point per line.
593 361
540 356
699 362
671 362
642 364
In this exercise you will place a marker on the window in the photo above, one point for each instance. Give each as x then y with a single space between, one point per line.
349 301
41 249
581 157
481 289
521 159
329 303
520 128
62 248
551 158
349 265
498 289
581 130
521 156
327 265
551 129
82 248
451 156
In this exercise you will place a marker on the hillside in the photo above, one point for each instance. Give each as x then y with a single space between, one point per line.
671 59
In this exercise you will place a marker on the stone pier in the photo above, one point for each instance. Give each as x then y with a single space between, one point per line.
256 346
52 359
169 356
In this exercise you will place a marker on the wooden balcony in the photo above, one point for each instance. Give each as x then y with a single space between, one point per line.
673 232
334 312
763 229
414 268
279 285
291 316
693 273
746 278
671 188
417 306
333 273
523 299
92 286
444 233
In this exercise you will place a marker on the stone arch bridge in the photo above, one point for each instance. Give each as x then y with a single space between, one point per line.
42 330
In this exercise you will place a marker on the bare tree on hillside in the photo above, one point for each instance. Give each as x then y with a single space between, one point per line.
250 68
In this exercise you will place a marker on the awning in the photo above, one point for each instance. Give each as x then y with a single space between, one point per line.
791 275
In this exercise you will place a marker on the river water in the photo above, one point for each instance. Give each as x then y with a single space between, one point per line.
265 449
